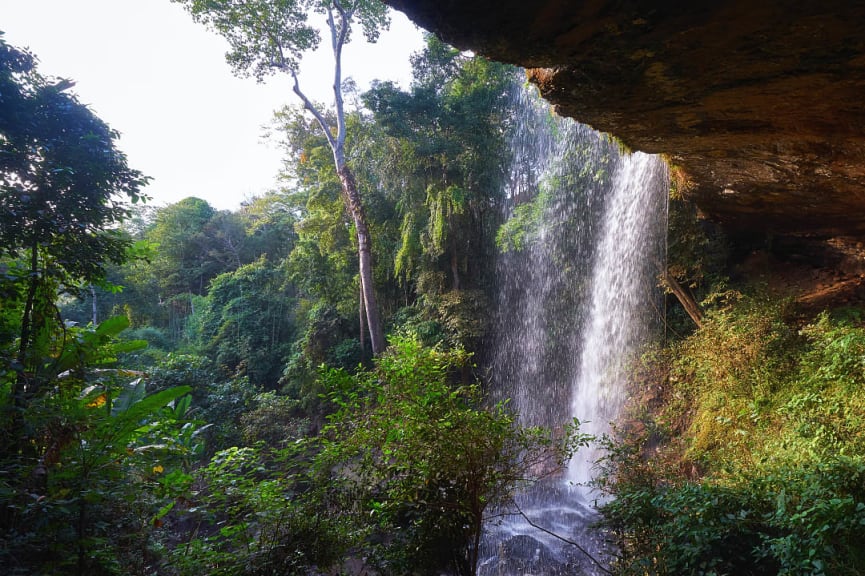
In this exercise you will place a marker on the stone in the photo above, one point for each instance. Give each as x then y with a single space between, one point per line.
523 555
759 105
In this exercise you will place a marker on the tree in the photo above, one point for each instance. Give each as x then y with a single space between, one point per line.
270 36
446 157
424 460
63 191
447 132
324 261
247 322
182 265
269 221
78 442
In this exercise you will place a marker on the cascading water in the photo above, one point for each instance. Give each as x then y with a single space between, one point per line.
622 302
577 277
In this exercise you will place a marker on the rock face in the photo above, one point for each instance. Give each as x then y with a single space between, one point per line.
759 103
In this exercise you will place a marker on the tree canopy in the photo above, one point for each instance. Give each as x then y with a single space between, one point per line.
271 36
64 189
64 185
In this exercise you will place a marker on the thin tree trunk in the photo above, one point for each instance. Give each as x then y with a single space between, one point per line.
361 323
455 263
338 22
95 316
364 250
27 328
685 299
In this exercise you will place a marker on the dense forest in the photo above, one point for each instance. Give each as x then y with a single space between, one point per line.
186 390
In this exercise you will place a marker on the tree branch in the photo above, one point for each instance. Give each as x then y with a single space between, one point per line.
338 35
282 63
307 103
684 298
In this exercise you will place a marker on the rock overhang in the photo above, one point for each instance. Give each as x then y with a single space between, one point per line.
760 104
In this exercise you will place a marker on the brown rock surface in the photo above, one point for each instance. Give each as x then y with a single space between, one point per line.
761 102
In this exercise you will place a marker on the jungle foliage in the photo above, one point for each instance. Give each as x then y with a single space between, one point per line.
223 446
751 460
258 434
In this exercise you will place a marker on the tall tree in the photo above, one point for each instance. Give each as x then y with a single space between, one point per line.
182 264
271 36
63 191
270 227
448 155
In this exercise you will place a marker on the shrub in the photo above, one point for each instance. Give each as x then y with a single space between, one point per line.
275 421
774 421
423 459
793 520
82 493
254 521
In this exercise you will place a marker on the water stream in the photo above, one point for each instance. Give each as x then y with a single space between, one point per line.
577 298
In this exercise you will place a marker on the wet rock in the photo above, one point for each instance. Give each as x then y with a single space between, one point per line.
523 555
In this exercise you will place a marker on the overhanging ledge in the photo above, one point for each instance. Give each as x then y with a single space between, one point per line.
761 104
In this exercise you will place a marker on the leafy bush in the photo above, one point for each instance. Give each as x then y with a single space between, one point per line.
732 373
416 322
254 521
222 405
346 354
275 421
423 459
82 494
401 476
791 521
155 337
773 420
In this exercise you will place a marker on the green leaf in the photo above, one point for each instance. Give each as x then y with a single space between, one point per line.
132 393
164 510
125 346
112 326
137 411
182 406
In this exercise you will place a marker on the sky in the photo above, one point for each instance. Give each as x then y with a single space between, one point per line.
161 80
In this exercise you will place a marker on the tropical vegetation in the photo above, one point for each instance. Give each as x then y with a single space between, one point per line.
300 385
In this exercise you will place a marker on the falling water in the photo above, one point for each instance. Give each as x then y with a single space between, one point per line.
622 296
577 297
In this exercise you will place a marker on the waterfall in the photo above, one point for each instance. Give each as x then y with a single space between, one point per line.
577 274
622 296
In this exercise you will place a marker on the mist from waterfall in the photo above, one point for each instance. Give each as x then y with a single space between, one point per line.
577 297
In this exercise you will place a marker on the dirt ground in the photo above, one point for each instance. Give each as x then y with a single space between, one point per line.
813 284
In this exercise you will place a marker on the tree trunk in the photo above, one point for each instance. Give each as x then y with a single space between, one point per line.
364 252
455 263
22 382
94 308
339 22
361 323
685 299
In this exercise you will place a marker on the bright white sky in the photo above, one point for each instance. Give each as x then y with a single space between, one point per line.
161 80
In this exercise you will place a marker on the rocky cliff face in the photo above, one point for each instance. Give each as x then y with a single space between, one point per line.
760 103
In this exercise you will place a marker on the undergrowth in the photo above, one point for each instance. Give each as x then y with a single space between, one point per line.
752 460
